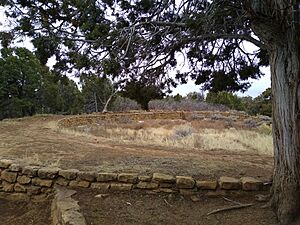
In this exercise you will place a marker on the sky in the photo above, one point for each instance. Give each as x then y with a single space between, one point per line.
257 87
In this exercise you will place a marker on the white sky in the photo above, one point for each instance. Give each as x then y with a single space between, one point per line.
257 87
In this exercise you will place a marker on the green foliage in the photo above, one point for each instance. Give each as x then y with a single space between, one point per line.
262 104
142 92
112 38
225 98
27 87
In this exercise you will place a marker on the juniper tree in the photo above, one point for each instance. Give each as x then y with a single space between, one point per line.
115 37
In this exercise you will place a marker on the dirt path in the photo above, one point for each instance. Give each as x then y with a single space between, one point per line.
35 140
138 208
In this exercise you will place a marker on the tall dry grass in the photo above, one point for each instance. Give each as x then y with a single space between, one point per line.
188 137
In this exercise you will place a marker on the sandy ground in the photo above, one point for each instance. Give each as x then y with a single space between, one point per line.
36 140
138 208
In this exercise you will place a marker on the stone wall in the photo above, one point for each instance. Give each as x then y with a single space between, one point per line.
94 118
34 180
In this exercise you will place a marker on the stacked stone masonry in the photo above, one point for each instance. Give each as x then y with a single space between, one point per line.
35 180
95 118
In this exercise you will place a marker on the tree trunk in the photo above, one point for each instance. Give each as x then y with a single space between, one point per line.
285 74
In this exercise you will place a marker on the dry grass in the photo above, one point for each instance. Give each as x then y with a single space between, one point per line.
188 136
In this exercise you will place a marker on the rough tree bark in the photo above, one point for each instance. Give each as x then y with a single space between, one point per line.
286 130
273 26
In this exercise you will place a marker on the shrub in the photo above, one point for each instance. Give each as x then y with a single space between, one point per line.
124 104
183 131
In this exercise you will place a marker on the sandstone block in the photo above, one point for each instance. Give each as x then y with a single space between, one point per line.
100 186
23 179
163 178
7 187
19 188
33 190
31 171
166 190
62 182
185 182
48 173
86 175
79 183
104 177
166 185
46 190
41 182
121 187
9 176
5 163
251 184
70 174
229 183
147 185
187 192
145 178
207 185
128 178
15 168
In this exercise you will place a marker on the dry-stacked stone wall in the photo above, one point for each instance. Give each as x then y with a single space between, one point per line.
95 118
35 180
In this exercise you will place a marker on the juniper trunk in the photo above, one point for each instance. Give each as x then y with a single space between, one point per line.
273 23
286 129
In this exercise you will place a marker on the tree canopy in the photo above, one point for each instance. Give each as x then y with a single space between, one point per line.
113 38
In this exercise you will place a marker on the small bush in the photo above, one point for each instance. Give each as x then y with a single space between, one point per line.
183 131
122 104
250 123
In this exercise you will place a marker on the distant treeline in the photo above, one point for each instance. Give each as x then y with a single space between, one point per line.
27 87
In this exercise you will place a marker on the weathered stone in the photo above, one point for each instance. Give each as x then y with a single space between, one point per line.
251 184
15 168
104 177
62 182
166 190
120 187
187 192
7 187
19 188
23 179
73 218
79 183
86 175
5 163
100 186
207 185
145 178
185 182
128 178
70 174
41 182
229 183
195 198
166 185
9 176
163 178
48 173
46 190
31 171
147 185
33 190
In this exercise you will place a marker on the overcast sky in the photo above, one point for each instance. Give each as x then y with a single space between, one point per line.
257 87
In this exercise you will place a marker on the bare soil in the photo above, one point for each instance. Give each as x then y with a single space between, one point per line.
136 208
36 140
24 212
